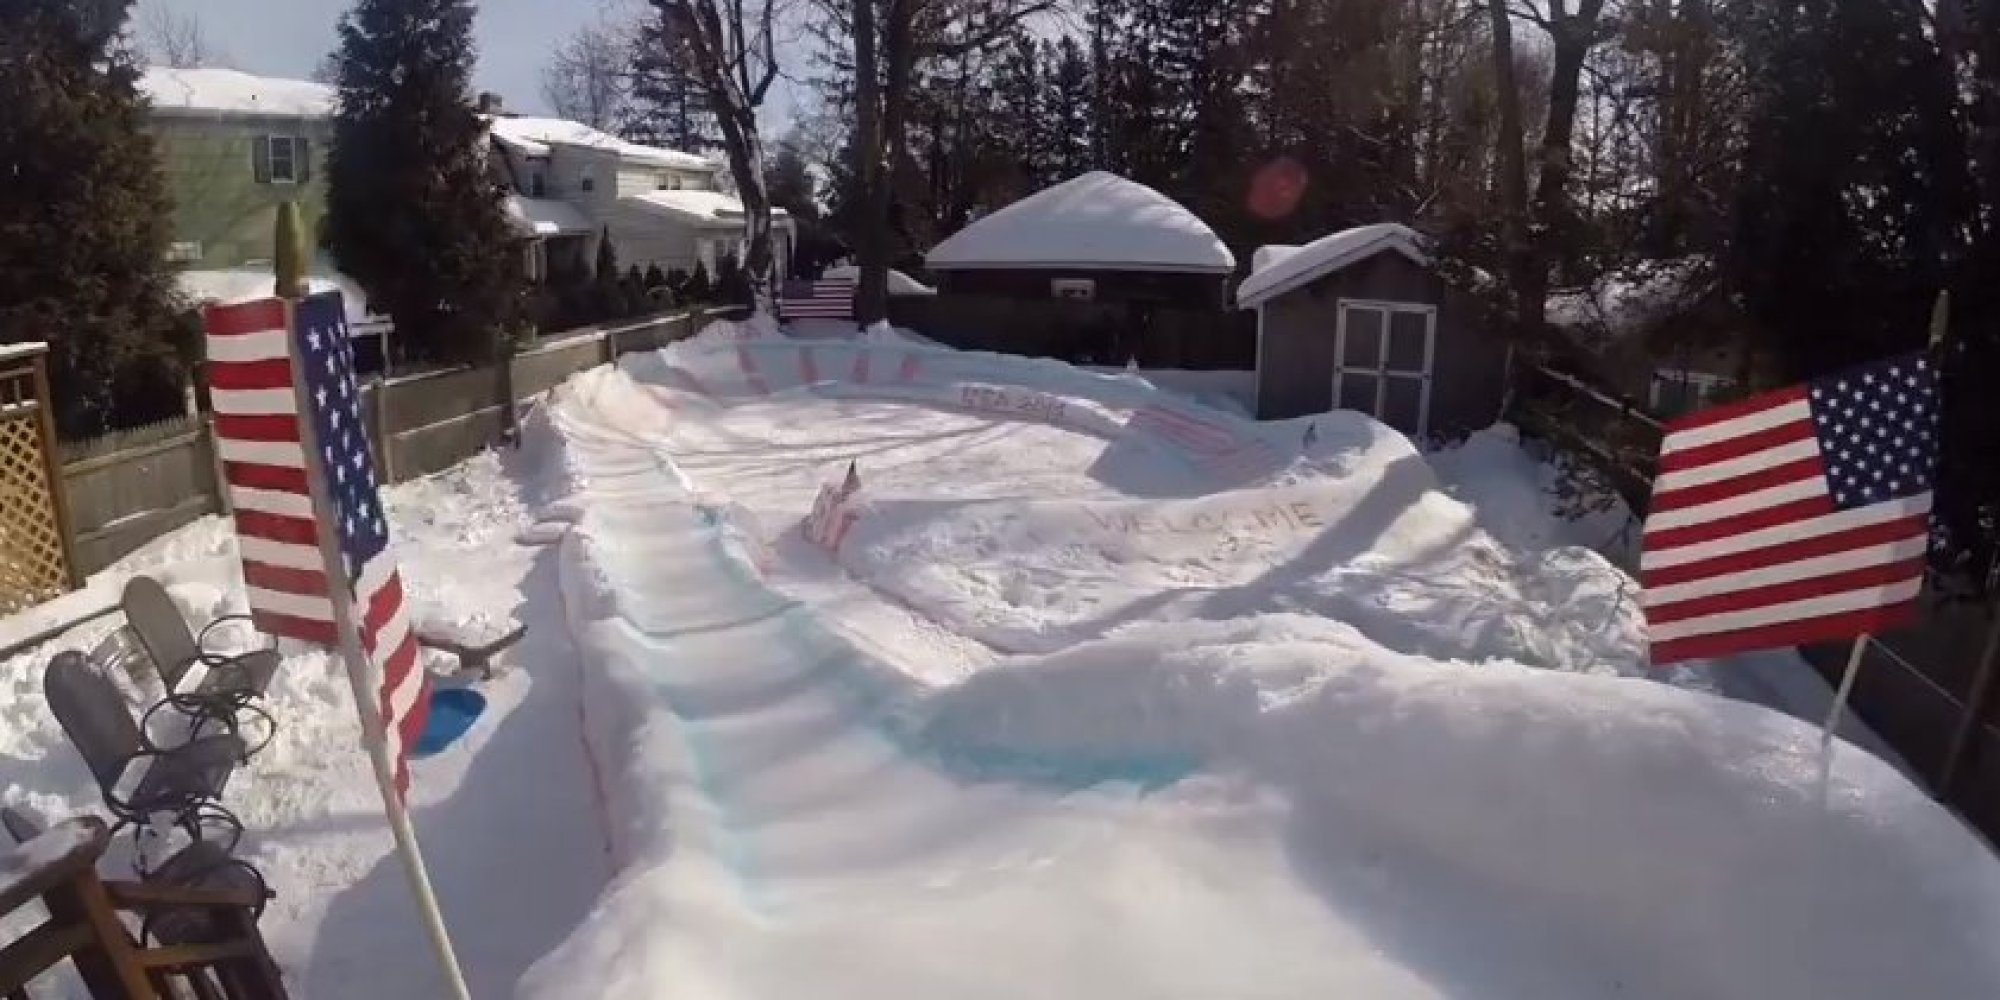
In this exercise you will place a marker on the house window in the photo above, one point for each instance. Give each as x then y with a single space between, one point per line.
184 251
281 159
669 182
537 187
586 183
1383 353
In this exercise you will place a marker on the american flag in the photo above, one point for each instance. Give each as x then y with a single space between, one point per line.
261 441
1798 516
825 299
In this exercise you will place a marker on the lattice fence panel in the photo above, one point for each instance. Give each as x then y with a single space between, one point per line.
32 568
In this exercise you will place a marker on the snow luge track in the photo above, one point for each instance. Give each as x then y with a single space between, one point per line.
1265 805
814 825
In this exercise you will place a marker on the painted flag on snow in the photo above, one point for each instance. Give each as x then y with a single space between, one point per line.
1798 516
287 418
824 299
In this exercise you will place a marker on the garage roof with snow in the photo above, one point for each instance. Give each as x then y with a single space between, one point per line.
1098 221
204 91
1283 269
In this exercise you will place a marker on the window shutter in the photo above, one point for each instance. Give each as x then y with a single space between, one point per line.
260 159
302 159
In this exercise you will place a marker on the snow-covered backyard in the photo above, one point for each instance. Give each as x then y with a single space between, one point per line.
1098 693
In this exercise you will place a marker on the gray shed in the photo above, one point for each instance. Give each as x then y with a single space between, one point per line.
1360 320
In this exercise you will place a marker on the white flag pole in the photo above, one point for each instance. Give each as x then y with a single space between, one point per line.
359 672
1846 688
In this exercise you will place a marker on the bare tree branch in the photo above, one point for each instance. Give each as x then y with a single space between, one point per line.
171 38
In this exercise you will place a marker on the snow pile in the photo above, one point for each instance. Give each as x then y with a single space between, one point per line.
1099 221
227 91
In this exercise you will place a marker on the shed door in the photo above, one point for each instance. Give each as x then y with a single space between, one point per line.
1383 354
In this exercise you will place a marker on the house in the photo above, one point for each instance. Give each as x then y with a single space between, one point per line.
1094 238
233 147
570 182
1361 320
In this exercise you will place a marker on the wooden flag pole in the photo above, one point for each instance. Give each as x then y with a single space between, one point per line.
1839 708
358 670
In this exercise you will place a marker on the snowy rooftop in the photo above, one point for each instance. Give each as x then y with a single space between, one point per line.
229 92
546 217
699 207
1100 221
1280 269
534 136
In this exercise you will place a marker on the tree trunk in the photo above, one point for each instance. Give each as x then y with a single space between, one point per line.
1513 166
1554 220
871 296
699 26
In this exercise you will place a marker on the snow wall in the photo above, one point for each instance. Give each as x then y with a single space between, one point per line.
1503 831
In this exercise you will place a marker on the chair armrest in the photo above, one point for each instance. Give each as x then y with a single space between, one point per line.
143 896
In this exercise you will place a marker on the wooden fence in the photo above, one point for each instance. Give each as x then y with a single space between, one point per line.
35 558
127 488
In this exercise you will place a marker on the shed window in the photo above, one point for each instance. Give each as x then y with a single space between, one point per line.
1383 355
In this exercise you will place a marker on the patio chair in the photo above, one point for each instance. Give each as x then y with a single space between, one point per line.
197 921
232 680
182 782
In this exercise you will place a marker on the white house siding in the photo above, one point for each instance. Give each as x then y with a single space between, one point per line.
569 165
644 238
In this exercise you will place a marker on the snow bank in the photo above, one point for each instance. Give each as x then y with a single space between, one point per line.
1640 840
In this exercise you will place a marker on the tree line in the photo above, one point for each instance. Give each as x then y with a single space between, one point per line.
1822 168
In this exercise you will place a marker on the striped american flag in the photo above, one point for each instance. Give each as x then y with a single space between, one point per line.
262 370
829 298
1798 516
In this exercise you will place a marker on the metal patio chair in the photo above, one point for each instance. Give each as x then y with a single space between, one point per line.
232 682
136 779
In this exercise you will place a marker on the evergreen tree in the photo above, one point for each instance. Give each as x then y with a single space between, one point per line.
83 217
414 214
607 257
1070 111
699 288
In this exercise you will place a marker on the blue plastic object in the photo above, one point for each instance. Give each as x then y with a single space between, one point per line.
453 711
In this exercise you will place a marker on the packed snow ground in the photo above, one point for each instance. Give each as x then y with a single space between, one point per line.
1103 694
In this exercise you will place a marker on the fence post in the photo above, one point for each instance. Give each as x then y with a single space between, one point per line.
45 420
380 425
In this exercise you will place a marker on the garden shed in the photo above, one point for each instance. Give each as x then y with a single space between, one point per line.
1362 320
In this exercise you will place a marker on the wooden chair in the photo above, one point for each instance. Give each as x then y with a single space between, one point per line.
201 907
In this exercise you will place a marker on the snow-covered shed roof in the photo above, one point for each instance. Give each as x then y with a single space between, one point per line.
1283 269
229 92
1099 221
534 136
899 283
703 208
546 217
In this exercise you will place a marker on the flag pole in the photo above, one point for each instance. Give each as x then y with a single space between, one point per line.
1834 714
358 670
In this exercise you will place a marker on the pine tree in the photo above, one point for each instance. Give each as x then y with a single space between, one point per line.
414 213
1070 110
83 217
